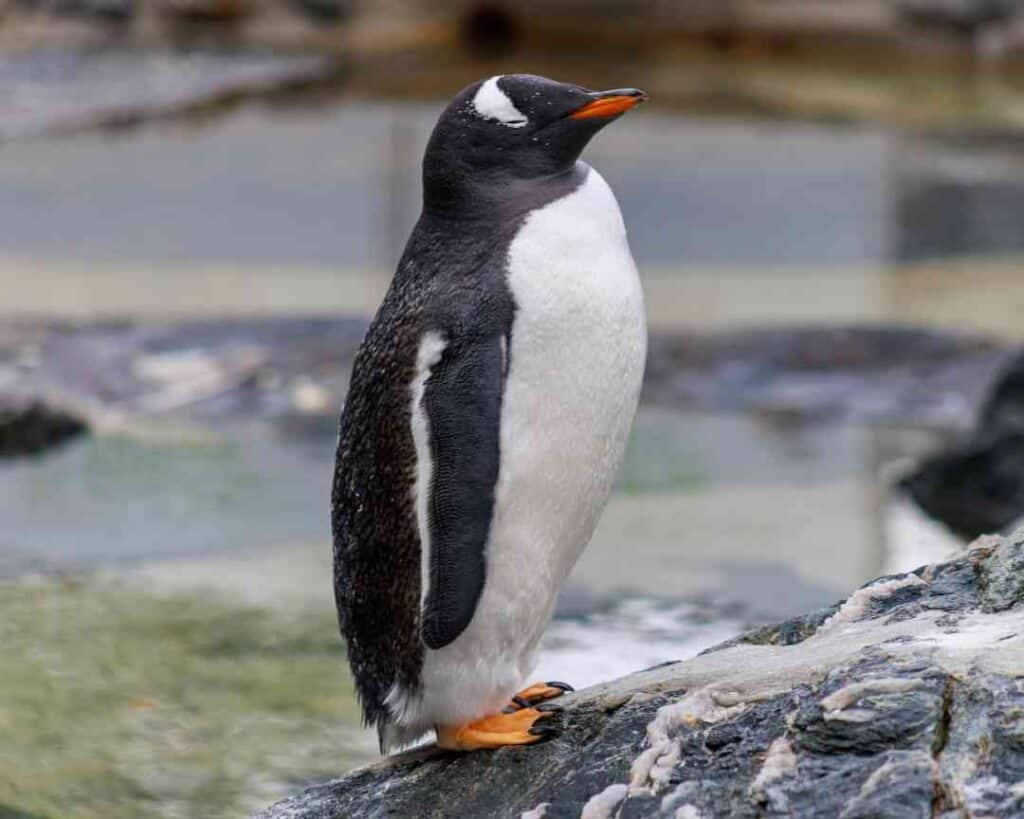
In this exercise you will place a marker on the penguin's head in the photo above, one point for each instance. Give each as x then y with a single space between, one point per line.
515 127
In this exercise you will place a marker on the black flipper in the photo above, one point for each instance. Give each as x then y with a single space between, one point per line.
462 402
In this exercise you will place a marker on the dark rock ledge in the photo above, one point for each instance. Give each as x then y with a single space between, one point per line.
29 426
252 368
904 700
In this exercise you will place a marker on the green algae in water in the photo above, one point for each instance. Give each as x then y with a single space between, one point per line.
125 496
114 702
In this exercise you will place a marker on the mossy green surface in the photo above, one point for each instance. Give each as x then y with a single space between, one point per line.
118 703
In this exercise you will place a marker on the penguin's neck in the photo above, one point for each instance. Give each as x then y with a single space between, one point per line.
493 196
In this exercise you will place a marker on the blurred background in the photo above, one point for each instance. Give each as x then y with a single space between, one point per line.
201 205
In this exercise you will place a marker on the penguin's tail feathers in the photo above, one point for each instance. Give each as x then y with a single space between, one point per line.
392 736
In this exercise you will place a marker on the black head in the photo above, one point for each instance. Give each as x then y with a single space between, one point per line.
513 128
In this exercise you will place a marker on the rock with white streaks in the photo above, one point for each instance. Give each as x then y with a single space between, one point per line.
905 700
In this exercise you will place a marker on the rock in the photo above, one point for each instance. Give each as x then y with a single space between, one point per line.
978 486
205 11
904 700
1004 407
116 87
114 11
964 17
325 11
27 428
861 374
845 373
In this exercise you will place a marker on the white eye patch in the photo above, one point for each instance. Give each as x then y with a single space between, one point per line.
491 102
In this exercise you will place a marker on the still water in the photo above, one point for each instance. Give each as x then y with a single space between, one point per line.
730 509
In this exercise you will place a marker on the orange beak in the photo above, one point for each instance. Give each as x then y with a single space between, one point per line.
610 104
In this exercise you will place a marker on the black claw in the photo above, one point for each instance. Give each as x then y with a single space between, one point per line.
522 703
542 731
509 709
564 686
548 707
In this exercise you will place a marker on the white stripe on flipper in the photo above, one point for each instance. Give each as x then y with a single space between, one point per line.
491 102
431 347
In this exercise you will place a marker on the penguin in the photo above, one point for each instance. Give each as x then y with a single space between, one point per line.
488 411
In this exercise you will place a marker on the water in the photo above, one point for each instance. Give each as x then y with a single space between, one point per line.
121 499
340 189
779 517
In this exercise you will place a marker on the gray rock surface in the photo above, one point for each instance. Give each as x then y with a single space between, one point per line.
289 369
965 17
904 700
116 87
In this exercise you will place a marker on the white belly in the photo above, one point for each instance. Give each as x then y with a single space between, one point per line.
576 362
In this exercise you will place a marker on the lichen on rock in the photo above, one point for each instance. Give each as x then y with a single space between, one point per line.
905 700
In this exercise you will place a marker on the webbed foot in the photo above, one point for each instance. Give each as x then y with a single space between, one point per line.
538 692
523 726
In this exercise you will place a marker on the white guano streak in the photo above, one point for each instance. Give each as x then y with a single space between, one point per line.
491 102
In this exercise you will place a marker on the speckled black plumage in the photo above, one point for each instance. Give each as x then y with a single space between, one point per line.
481 180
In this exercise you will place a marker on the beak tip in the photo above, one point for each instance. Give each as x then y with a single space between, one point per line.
607 104
639 96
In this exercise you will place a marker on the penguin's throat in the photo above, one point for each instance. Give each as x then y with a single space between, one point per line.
497 193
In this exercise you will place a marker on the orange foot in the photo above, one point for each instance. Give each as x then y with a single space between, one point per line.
538 692
518 728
